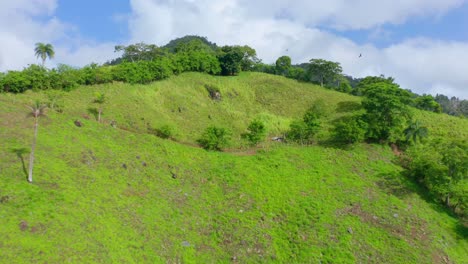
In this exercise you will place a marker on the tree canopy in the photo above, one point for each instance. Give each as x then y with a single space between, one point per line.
323 71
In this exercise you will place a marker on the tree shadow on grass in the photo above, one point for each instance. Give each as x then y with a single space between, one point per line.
401 186
348 107
462 231
93 111
396 184
20 152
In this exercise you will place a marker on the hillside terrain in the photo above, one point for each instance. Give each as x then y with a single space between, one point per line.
113 192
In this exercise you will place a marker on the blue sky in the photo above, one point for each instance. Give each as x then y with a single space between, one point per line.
97 20
422 44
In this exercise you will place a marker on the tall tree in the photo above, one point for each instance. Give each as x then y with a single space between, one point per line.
386 111
283 64
37 110
44 51
230 59
324 71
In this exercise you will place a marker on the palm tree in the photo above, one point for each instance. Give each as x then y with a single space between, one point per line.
100 99
415 132
44 51
37 110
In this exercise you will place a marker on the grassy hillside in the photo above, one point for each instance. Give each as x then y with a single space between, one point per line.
121 195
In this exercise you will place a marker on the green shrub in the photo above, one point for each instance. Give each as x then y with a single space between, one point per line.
165 131
298 132
15 82
257 132
66 77
351 130
215 138
142 71
38 77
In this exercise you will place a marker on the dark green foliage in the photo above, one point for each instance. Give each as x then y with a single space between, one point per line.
165 131
298 132
142 71
283 64
230 59
415 133
344 86
38 77
197 61
66 78
297 73
132 72
386 111
317 110
324 72
137 52
304 130
256 132
351 130
442 167
361 86
15 82
95 74
266 68
215 138
249 59
176 44
428 103
194 45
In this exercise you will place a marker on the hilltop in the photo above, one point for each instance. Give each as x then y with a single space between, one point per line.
119 194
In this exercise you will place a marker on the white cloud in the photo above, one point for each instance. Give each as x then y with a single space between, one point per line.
26 22
276 28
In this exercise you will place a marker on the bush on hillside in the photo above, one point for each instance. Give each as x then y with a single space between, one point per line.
256 132
441 166
142 71
66 78
196 61
165 132
95 74
38 77
351 130
215 138
15 82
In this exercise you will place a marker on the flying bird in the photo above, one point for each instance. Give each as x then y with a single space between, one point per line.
360 55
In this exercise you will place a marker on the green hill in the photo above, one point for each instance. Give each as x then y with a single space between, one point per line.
104 194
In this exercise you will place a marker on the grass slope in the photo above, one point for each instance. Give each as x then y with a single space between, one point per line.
111 195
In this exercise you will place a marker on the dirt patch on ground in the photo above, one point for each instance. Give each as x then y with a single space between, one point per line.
417 234
418 231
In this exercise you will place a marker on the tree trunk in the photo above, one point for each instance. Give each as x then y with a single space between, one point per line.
447 200
99 115
31 156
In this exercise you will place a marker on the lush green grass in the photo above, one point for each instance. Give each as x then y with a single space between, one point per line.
174 203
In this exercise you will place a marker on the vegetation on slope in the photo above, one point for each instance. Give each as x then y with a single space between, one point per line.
117 193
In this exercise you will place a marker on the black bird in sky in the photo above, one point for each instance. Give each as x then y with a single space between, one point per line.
360 55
